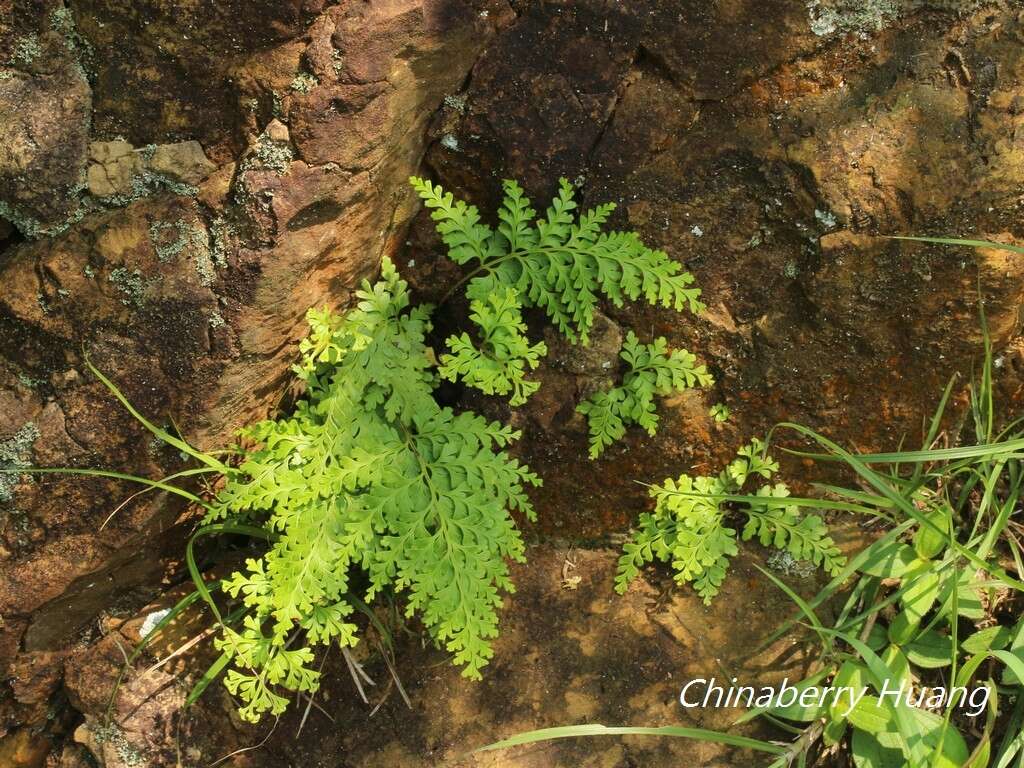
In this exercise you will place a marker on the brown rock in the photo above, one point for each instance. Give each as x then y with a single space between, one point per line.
767 163
44 134
764 158
114 164
184 162
23 749
214 191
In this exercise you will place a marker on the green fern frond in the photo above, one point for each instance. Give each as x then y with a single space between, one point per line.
689 529
499 365
559 263
782 527
371 473
653 371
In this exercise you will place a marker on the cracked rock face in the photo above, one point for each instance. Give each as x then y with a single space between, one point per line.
44 133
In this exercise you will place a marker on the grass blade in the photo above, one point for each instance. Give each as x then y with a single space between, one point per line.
572 731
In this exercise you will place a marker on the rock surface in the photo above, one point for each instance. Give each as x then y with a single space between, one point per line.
605 659
771 160
179 183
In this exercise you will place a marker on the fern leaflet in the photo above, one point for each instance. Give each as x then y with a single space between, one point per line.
557 262
652 372
498 366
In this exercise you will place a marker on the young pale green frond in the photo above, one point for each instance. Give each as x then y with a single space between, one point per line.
457 223
499 365
558 262
653 371
369 472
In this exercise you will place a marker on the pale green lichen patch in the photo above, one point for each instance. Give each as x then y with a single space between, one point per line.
832 17
455 103
146 183
829 17
204 267
270 154
28 382
825 218
130 283
33 228
171 239
16 453
304 82
782 561
26 50
62 21
220 231
114 736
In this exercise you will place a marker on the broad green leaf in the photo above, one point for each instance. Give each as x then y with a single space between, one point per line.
969 603
877 637
1014 664
898 665
921 592
929 542
1017 649
796 711
869 715
889 560
888 749
903 628
930 650
869 752
996 637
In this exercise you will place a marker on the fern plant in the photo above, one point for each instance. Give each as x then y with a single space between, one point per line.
368 474
559 262
691 524
370 484
652 371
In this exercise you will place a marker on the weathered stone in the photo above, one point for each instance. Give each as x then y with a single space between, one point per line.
605 658
214 192
761 151
113 167
184 162
24 749
768 163
44 133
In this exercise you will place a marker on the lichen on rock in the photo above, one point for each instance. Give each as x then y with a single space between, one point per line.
16 453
